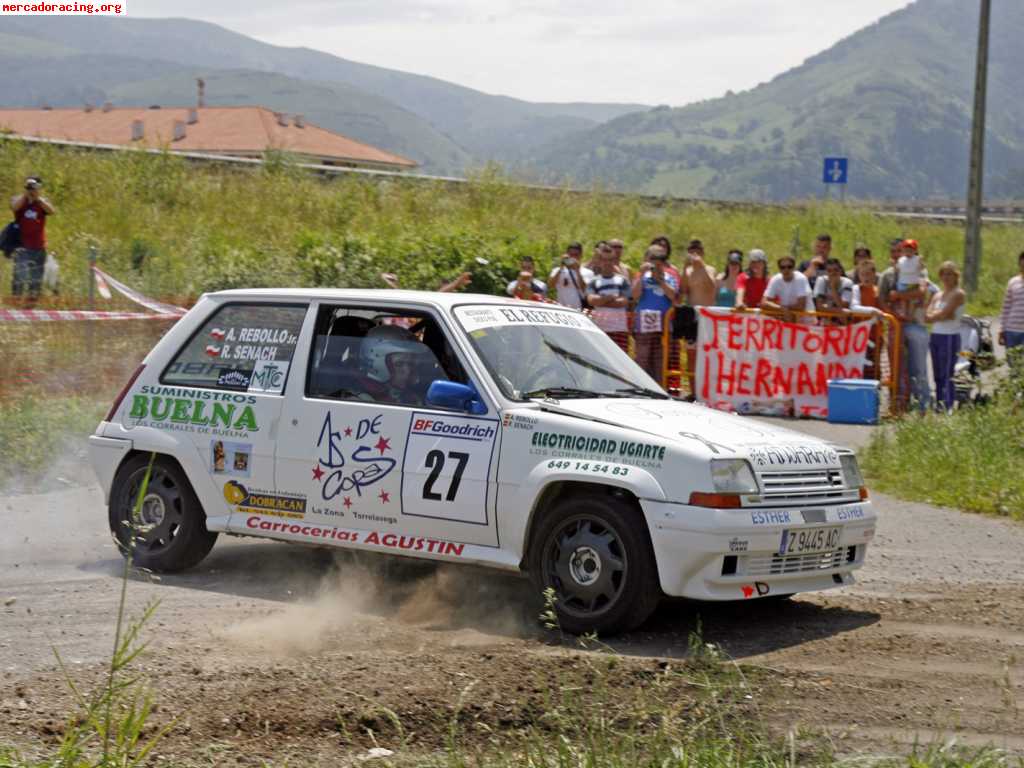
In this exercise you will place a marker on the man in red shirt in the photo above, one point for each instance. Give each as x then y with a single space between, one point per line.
30 211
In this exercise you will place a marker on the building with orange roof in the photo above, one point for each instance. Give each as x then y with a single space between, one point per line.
233 131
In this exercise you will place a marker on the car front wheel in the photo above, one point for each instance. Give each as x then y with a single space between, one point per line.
594 554
169 533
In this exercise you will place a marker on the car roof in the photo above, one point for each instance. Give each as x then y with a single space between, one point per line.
434 298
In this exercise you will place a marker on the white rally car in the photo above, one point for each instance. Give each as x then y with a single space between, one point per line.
468 429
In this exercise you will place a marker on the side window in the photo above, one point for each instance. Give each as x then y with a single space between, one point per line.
379 356
241 347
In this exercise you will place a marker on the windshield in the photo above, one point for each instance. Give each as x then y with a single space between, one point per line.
533 351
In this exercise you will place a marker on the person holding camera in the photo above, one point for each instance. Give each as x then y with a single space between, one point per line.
654 291
30 211
569 280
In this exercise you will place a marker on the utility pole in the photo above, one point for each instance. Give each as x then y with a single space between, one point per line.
972 239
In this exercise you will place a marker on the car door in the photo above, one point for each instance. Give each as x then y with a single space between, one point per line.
222 393
378 465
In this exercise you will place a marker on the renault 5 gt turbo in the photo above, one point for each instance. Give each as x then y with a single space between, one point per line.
470 429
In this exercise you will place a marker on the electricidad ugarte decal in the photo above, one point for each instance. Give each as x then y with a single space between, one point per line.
597 445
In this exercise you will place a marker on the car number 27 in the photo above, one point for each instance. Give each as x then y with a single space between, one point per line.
447 464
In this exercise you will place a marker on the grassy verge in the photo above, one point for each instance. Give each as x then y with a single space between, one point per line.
971 460
169 228
38 434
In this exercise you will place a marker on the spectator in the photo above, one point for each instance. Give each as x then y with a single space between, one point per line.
654 291
750 285
833 292
595 257
664 242
788 291
725 295
1011 325
698 287
539 286
391 281
889 301
860 253
569 280
618 247
30 211
525 287
608 294
815 266
910 269
887 280
865 287
944 312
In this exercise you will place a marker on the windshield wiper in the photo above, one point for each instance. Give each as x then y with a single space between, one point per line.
644 392
567 392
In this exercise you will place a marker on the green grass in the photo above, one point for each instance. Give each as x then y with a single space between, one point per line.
36 432
971 460
174 229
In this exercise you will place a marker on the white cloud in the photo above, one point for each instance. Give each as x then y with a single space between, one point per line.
650 51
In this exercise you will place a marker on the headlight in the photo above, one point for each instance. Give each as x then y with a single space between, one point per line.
851 472
733 476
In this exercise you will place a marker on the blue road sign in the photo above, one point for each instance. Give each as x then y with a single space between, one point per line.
835 170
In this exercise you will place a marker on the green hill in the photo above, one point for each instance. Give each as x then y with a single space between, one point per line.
895 97
482 126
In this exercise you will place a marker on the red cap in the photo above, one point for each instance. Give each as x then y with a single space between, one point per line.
909 244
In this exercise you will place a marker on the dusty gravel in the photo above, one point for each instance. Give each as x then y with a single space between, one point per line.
265 648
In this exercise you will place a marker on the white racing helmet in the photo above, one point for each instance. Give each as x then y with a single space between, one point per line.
386 340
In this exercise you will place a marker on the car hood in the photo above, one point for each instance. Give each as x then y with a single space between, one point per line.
721 434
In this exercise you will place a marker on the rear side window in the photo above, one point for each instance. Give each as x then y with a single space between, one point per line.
242 348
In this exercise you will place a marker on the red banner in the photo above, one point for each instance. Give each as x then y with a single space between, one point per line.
753 363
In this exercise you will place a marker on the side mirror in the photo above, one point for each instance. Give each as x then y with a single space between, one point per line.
459 397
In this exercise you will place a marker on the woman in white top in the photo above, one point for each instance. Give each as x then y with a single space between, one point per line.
944 313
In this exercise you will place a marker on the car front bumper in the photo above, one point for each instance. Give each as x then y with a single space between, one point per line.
733 554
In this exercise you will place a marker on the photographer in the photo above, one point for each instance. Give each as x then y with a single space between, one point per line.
654 291
30 212
569 281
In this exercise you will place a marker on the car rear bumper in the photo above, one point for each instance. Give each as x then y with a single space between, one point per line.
106 455
732 554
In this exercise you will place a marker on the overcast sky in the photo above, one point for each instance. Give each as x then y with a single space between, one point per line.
649 51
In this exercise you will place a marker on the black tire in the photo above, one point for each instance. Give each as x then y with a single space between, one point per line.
595 553
172 533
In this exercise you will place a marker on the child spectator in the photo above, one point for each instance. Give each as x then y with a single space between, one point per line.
654 291
750 285
910 270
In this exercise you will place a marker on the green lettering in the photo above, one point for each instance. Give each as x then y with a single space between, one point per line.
222 415
180 412
155 411
139 403
247 420
197 413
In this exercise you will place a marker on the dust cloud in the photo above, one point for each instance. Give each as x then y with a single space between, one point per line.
357 586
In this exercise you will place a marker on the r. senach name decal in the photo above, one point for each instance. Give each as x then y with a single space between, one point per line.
598 445
480 432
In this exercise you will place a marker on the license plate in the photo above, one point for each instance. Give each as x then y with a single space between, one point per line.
809 541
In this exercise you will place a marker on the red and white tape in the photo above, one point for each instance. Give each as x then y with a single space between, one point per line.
37 315
103 282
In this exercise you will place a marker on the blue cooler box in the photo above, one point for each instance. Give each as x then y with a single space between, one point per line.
853 401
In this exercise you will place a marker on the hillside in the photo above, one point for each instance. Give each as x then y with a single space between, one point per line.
895 97
482 126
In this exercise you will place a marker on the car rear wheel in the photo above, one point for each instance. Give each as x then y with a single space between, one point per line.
170 532
594 553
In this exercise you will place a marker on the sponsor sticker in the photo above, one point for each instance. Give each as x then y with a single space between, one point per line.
264 502
268 376
771 517
565 445
190 410
232 378
229 458
477 318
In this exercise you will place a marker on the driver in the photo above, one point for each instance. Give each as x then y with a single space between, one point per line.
394 359
402 385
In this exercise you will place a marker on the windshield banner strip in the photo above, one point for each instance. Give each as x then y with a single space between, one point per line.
474 318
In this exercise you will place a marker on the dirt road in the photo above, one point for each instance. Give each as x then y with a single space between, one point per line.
263 648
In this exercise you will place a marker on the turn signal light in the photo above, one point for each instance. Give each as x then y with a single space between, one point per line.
716 500
122 393
863 493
